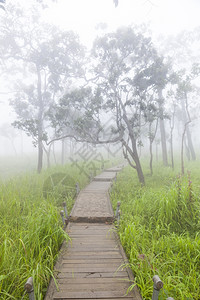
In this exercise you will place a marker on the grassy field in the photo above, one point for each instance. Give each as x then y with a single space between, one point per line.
31 228
160 230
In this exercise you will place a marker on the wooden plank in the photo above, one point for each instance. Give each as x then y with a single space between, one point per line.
121 274
92 256
93 237
93 243
106 237
91 231
89 265
67 260
78 281
90 269
95 287
98 239
107 247
91 248
93 252
89 294
89 226
127 298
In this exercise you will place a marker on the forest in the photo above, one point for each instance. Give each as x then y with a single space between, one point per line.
129 97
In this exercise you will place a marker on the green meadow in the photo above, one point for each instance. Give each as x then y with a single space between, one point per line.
160 229
31 229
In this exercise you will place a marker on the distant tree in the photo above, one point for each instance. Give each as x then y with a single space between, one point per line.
157 76
7 131
2 4
120 97
116 2
184 88
47 59
183 52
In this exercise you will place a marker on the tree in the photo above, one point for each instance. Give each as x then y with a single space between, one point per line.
120 94
184 88
2 2
183 52
48 59
7 131
157 76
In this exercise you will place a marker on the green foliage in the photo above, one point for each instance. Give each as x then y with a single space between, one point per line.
31 230
159 231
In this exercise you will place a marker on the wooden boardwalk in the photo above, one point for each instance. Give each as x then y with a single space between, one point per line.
92 264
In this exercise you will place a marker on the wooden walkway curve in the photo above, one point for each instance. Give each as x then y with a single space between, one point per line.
91 265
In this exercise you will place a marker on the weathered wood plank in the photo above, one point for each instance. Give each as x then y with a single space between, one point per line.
93 248
121 274
95 287
127 298
93 252
67 260
89 265
92 281
94 242
90 268
92 256
90 294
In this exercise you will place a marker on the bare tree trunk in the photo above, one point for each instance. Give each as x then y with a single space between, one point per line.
171 138
190 144
156 151
48 152
185 109
162 129
139 170
40 123
187 151
63 152
137 163
182 151
188 134
13 146
172 149
151 140
130 151
40 155
54 155
151 158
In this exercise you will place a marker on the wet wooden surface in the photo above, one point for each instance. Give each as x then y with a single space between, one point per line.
93 264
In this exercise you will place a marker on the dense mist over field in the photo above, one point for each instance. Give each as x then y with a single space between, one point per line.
116 77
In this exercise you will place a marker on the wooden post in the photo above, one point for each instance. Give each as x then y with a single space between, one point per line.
157 286
77 188
62 216
118 217
118 212
117 209
29 288
65 209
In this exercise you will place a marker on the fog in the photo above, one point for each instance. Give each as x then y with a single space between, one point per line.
36 73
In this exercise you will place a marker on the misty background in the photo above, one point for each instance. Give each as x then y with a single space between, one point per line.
173 27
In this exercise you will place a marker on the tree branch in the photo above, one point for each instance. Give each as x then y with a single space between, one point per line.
92 141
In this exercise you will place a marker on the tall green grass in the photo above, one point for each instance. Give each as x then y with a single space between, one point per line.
160 230
31 230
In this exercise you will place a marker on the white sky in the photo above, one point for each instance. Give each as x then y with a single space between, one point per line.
166 16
